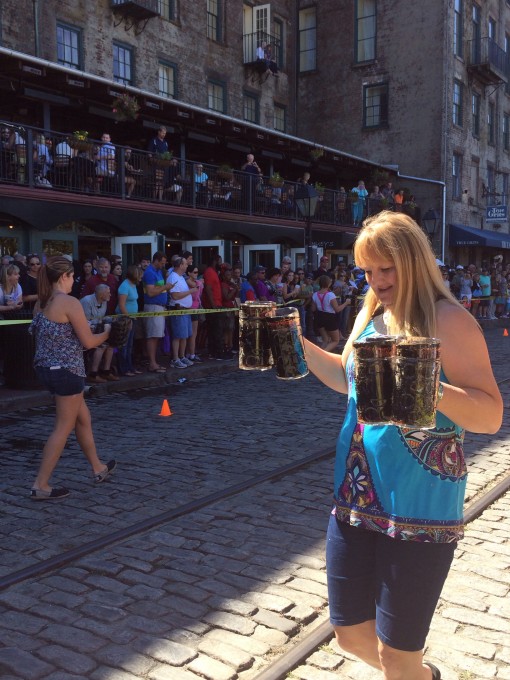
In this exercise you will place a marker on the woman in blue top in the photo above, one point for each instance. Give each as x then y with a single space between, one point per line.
128 304
398 494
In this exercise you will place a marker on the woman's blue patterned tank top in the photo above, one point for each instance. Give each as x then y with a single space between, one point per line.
406 483
57 345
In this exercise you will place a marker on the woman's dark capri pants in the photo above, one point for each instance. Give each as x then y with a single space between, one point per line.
394 581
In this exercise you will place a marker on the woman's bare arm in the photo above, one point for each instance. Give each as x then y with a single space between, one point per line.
472 399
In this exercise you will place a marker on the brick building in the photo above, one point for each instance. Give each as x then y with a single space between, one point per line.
364 87
423 86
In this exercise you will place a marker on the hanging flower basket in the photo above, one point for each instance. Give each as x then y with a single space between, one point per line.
316 153
126 107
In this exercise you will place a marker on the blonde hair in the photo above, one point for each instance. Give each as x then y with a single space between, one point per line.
5 271
395 236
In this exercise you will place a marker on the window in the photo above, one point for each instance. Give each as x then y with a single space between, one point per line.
504 188
375 105
475 104
278 39
457 28
491 28
250 108
214 20
506 132
507 50
122 64
458 88
307 40
280 118
456 176
491 123
477 35
216 96
366 28
167 9
69 46
491 178
167 80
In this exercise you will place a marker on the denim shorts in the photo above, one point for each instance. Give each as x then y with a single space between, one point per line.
180 325
397 583
60 381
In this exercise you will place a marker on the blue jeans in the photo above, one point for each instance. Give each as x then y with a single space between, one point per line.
126 354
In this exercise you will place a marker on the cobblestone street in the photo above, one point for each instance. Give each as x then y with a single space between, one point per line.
217 593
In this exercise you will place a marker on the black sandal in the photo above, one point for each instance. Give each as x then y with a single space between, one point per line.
436 673
53 495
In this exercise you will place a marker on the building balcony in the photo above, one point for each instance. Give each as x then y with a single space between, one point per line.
253 41
488 62
139 10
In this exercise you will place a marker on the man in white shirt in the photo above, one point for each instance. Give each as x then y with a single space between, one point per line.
105 164
180 298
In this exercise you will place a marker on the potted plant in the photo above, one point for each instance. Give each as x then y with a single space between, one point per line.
276 180
225 172
163 160
80 141
126 107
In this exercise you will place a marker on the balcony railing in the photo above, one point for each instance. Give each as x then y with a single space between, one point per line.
488 61
253 41
137 9
80 167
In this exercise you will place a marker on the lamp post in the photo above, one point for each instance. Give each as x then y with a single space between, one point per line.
430 221
306 198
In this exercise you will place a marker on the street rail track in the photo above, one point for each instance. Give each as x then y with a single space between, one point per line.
57 561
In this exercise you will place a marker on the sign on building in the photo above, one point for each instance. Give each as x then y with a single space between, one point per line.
496 213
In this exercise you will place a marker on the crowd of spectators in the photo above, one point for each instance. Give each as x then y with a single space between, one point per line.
484 290
327 299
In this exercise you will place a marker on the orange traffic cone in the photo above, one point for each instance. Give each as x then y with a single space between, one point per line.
505 333
165 409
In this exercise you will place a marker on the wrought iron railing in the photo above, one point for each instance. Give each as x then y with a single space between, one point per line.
258 41
486 52
151 5
86 166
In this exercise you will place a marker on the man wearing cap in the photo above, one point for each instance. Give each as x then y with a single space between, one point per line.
261 290
456 281
323 267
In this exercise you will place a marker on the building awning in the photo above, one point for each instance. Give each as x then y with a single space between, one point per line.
462 235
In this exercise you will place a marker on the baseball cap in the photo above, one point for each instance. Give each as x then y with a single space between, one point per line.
308 275
459 266
259 268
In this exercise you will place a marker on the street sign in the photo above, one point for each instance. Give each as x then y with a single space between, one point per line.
496 213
